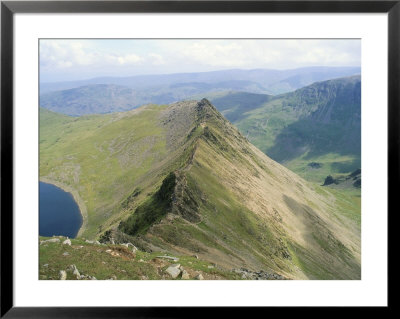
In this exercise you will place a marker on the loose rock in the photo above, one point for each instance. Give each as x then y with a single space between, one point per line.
185 275
168 257
63 275
52 240
258 275
174 270
199 277
76 273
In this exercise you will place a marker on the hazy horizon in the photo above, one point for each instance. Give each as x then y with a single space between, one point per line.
219 70
74 60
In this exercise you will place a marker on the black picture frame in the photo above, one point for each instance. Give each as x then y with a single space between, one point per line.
9 8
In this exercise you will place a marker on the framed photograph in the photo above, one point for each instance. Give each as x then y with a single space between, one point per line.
159 155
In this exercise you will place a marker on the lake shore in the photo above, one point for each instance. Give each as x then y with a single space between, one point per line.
77 198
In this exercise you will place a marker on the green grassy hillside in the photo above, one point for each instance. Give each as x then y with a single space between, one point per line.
182 179
320 123
95 261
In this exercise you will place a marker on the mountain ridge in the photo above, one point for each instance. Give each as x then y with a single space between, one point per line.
320 123
206 190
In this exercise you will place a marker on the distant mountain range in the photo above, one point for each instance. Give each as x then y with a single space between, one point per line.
181 179
319 123
109 98
76 97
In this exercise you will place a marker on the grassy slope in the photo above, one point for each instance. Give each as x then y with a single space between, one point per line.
319 123
94 260
103 157
232 204
237 217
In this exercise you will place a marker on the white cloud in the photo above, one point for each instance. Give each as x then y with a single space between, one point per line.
156 59
214 53
74 59
62 54
265 53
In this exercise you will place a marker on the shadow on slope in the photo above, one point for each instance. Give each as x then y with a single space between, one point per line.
331 122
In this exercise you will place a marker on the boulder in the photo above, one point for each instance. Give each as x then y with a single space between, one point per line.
77 274
63 275
75 271
65 254
174 270
67 242
52 240
199 277
185 275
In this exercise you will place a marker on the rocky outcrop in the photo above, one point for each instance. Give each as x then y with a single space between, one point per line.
258 275
51 240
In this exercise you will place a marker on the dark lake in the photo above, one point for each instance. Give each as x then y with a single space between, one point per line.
58 212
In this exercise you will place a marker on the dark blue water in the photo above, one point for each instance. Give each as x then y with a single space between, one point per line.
58 212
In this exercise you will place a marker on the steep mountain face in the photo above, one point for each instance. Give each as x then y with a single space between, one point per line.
329 120
184 180
320 123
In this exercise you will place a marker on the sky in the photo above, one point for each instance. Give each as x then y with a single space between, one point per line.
70 59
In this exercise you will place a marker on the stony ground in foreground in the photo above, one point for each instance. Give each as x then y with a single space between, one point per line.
80 259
